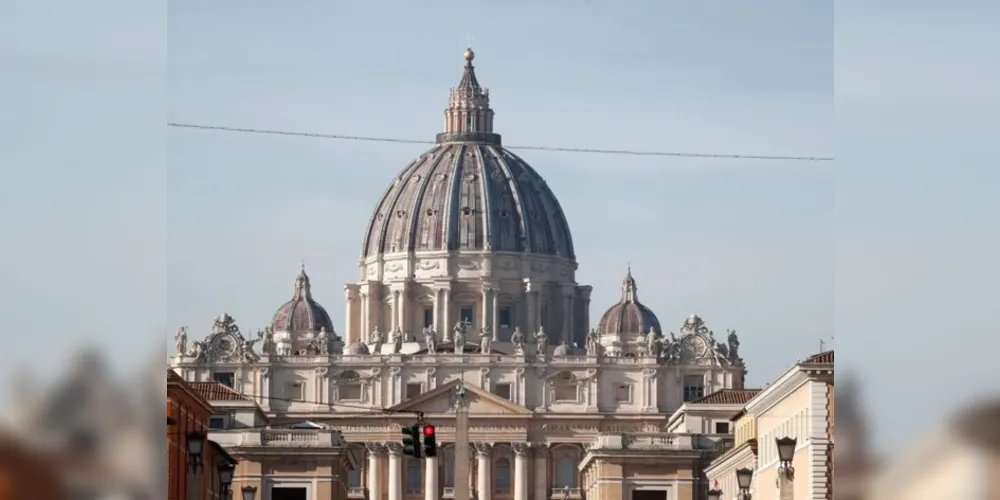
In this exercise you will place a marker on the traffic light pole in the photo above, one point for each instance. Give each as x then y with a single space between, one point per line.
462 459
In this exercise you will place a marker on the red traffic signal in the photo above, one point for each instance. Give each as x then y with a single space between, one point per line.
428 430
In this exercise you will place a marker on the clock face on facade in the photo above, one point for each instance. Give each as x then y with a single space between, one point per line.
224 345
694 347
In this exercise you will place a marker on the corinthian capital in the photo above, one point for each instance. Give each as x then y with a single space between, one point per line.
395 449
483 449
375 448
520 449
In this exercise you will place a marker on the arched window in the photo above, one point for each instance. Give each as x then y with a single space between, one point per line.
502 476
566 473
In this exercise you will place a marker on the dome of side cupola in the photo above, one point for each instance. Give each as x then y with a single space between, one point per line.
302 313
628 315
468 193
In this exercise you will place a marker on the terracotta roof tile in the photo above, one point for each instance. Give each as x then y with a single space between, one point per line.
216 391
822 358
728 397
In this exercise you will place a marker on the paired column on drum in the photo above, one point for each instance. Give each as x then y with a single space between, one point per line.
533 301
569 308
491 320
350 296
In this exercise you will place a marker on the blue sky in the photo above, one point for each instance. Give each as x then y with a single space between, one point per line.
126 230
747 245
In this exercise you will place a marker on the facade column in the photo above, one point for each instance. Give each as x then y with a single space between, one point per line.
520 471
485 486
349 334
541 471
445 315
430 478
395 471
375 453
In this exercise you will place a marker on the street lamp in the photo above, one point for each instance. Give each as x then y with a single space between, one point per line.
249 492
195 446
225 478
714 494
743 478
786 451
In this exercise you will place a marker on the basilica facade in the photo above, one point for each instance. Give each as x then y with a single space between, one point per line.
467 283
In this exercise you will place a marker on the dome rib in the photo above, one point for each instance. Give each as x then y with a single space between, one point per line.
468 193
523 235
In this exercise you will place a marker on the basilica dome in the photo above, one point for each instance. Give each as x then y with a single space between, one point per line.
468 193
628 315
302 313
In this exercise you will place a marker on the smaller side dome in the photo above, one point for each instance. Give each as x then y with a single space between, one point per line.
302 313
628 315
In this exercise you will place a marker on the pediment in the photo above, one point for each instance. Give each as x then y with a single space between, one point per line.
441 400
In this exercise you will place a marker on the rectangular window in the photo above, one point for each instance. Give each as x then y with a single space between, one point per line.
349 392
694 387
354 478
413 478
295 391
565 392
225 378
502 390
428 317
217 423
465 315
414 390
504 317
623 393
722 427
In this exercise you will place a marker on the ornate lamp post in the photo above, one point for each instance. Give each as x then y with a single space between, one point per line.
786 452
249 492
714 494
195 447
225 480
743 478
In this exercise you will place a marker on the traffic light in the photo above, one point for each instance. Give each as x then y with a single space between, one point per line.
411 441
430 442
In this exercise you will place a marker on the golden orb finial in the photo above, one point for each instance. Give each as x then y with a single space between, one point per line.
469 55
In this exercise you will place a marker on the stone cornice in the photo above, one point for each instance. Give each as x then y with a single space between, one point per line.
743 455
777 391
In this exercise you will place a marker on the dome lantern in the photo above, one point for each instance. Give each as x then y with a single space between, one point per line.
628 316
468 117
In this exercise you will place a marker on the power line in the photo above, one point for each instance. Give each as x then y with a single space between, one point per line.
535 148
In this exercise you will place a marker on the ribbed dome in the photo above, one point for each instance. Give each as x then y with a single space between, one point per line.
468 193
628 315
302 313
